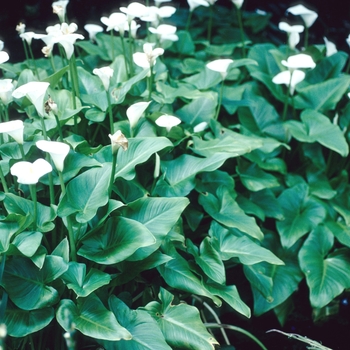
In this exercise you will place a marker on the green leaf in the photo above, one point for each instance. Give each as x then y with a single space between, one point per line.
91 318
301 214
84 284
243 248
232 145
139 151
10 225
184 45
223 208
56 77
254 178
326 277
26 285
24 207
199 110
177 274
316 127
158 215
130 269
230 295
145 332
115 241
86 193
181 324
180 173
26 243
208 259
20 323
322 96
285 278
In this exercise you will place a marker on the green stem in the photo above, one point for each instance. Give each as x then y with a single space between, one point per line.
210 23
21 149
237 329
3 180
110 113
150 83
73 249
112 44
306 37
131 51
43 127
220 100
240 24
58 127
124 56
33 61
75 86
35 202
188 23
111 180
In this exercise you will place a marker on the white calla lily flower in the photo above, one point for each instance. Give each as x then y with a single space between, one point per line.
168 121
299 61
6 89
193 4
289 78
293 33
117 21
309 17
200 127
134 9
165 32
220 65
135 111
331 49
35 91
60 8
118 140
58 151
105 74
20 28
238 3
14 128
28 37
93 29
147 58
3 55
30 173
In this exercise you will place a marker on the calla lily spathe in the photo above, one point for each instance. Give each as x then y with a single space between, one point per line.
220 65
155 14
30 173
14 128
309 17
134 9
20 28
28 37
105 74
60 8
3 55
118 140
57 150
331 49
93 29
238 3
147 58
117 21
35 91
193 4
165 32
6 89
293 33
135 111
168 121
289 78
299 61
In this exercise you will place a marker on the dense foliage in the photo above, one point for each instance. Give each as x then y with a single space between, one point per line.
149 174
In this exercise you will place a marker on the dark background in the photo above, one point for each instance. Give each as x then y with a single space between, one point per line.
333 20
